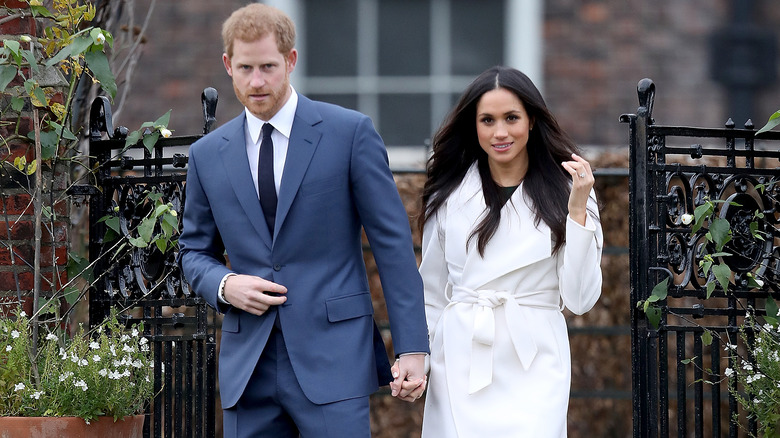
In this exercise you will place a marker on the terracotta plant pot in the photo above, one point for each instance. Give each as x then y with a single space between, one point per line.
71 427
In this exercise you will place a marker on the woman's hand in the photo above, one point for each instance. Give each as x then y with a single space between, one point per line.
407 388
582 183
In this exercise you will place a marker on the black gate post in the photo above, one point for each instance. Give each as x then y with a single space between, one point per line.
643 354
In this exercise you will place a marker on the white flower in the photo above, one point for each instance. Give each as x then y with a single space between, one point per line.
36 395
83 362
165 132
137 364
143 341
19 387
96 358
65 376
728 372
128 349
8 348
23 314
81 384
686 219
103 372
124 338
134 333
113 351
51 337
100 39
94 345
14 334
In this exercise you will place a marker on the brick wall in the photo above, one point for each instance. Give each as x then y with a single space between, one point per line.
17 212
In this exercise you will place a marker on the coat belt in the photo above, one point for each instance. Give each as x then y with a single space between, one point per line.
521 332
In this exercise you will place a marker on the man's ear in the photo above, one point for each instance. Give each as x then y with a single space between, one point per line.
291 59
228 66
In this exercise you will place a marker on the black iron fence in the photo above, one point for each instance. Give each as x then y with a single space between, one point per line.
681 386
145 282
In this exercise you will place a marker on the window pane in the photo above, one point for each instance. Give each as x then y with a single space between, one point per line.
404 37
477 35
331 38
345 100
405 119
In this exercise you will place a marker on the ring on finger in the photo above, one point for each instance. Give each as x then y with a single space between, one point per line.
582 175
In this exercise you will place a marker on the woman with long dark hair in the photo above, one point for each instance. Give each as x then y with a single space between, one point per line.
511 236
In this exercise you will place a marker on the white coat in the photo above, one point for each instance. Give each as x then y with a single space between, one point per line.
500 361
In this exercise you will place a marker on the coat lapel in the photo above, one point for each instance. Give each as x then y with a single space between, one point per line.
233 154
304 139
516 244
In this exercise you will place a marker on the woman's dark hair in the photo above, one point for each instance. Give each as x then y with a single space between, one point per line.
456 147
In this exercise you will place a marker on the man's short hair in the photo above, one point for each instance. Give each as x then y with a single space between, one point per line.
255 21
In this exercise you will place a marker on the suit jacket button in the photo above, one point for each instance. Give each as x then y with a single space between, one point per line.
277 267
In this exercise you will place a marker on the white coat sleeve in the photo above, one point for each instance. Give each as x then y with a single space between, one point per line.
579 269
433 270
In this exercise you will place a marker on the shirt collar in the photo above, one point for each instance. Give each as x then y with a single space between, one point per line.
282 120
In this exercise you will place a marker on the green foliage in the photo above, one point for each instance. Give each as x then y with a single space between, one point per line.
759 376
155 130
773 121
107 372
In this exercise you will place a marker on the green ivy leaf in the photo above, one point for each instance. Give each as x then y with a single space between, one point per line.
48 143
660 290
71 295
98 64
150 140
162 244
41 10
30 57
112 222
706 338
772 310
17 103
79 266
137 242
774 120
700 214
720 231
13 46
132 138
61 55
163 121
80 45
654 316
7 74
710 288
146 229
722 273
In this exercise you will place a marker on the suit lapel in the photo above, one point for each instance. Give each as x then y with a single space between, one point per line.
304 139
233 154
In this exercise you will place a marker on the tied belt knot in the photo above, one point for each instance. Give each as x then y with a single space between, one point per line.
521 330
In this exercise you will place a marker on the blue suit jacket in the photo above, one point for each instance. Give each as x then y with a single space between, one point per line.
336 180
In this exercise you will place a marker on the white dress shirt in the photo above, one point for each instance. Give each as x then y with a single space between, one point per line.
282 122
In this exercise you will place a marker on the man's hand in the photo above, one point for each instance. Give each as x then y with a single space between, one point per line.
251 294
410 379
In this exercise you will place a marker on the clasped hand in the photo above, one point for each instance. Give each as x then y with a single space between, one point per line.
251 294
409 377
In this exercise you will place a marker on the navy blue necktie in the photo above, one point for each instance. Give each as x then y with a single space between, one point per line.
265 177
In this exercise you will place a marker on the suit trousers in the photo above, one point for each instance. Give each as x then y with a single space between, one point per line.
273 404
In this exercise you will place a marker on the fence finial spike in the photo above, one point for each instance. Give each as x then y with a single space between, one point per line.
646 91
